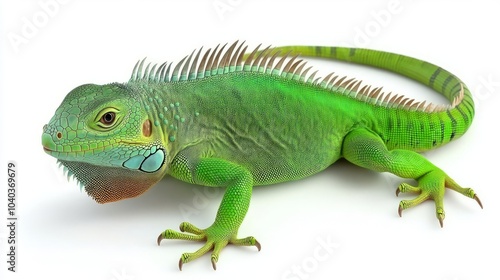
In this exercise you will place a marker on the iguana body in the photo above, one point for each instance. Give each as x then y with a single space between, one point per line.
236 120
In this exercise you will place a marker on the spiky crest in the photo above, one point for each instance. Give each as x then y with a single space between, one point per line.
217 62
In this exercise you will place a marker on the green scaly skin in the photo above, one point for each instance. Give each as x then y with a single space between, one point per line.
237 120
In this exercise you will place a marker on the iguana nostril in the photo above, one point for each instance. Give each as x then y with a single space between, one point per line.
59 135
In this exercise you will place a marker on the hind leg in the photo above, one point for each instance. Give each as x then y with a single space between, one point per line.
366 149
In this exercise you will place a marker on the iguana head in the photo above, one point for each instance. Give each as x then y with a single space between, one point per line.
103 136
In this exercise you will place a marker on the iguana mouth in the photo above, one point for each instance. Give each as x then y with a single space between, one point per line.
48 144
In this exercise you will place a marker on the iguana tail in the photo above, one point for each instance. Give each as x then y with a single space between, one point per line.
453 120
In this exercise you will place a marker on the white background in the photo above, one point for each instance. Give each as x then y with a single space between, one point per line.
46 50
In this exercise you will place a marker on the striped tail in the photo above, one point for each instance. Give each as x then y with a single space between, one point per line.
451 121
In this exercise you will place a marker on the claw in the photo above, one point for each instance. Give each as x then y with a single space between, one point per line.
440 215
440 218
400 210
214 264
397 192
257 244
476 198
159 239
180 264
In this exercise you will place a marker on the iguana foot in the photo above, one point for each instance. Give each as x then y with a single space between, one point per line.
432 186
215 236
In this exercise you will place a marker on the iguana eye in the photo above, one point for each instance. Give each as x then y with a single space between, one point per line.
108 118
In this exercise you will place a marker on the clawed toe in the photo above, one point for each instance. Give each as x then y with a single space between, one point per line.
428 189
215 239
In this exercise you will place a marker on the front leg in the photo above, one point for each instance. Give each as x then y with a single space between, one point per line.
232 210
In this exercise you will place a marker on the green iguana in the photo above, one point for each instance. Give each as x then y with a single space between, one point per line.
236 120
